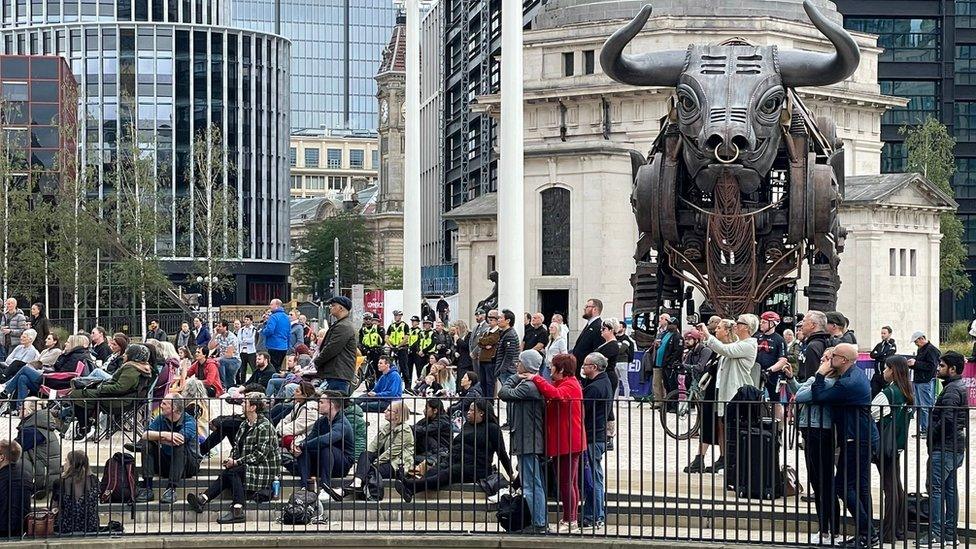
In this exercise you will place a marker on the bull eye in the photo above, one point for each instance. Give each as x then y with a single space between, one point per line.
771 105
688 104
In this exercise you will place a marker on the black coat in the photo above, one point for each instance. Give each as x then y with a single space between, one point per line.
16 491
432 437
597 408
588 340
882 351
926 363
949 423
816 344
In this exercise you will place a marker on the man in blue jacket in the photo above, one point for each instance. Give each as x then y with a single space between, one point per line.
850 403
327 450
276 334
389 387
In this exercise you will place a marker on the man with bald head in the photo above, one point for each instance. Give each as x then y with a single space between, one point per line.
850 407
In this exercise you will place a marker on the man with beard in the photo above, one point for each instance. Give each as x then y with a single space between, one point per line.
771 356
589 338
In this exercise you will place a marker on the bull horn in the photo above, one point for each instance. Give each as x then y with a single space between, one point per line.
807 68
648 69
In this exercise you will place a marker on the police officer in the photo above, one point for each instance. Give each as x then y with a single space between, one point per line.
371 344
413 342
425 346
397 339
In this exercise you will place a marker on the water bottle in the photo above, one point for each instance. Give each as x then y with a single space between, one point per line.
275 489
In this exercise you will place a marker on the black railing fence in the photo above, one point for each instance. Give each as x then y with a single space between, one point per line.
784 481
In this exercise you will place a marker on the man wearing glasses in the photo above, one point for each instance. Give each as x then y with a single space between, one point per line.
850 402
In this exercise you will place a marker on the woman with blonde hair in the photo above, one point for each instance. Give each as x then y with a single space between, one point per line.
27 381
462 347
197 404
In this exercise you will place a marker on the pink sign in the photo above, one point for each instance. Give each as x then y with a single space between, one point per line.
969 378
373 303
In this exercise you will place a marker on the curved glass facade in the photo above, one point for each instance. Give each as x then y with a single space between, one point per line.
172 80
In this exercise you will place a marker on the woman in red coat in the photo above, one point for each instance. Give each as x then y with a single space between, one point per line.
565 437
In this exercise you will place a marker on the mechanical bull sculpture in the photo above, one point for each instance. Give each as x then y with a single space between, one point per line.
742 185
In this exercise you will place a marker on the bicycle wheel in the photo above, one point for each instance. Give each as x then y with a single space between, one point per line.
680 415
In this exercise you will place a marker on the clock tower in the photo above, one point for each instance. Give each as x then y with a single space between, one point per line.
390 95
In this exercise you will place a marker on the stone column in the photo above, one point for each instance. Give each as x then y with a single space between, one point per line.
511 209
411 183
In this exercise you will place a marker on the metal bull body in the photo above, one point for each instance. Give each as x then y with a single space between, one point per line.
742 185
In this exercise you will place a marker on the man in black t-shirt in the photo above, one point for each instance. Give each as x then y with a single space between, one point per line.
536 335
771 356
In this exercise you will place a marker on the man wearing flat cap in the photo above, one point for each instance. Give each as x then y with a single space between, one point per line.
336 361
925 365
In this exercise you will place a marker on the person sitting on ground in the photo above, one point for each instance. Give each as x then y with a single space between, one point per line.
262 371
444 378
432 437
289 375
168 363
40 442
470 391
206 370
22 354
254 464
172 449
16 490
390 451
74 496
479 442
111 396
326 451
298 417
196 402
388 388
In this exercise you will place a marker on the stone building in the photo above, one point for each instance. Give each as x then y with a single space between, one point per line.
327 163
580 125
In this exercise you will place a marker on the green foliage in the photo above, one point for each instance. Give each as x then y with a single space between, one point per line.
315 263
392 279
930 152
959 333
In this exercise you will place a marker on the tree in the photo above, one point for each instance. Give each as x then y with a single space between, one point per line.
138 216
315 267
931 153
215 223
392 279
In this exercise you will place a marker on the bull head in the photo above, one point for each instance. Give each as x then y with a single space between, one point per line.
729 97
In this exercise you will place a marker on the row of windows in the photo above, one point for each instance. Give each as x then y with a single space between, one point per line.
569 62
903 40
902 262
333 158
21 12
319 182
923 101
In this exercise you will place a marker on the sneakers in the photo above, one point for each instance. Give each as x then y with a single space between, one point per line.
565 527
862 542
196 502
234 515
715 467
594 524
697 465
145 495
169 496
610 446
933 541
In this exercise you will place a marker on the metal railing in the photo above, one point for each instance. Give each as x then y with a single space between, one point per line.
645 459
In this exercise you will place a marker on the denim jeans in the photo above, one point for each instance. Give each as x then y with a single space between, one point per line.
943 493
924 399
228 371
25 382
274 385
335 384
594 492
530 472
98 374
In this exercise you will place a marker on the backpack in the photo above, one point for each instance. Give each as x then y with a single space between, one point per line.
513 513
302 508
373 485
118 483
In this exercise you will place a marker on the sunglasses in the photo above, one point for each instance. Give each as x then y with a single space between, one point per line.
492 318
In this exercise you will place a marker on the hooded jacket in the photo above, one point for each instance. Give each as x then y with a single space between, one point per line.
16 503
432 437
127 382
38 435
393 444
949 424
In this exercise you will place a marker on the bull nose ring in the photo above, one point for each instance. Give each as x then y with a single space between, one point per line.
735 156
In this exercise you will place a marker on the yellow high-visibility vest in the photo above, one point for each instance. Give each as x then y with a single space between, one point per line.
371 337
397 332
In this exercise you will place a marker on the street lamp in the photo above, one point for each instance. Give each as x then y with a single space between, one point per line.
210 282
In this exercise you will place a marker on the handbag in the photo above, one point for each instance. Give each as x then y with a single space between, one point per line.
40 523
791 484
493 483
888 440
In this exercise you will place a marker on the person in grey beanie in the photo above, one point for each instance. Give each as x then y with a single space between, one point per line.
526 416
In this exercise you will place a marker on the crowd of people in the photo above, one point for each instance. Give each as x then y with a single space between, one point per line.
302 398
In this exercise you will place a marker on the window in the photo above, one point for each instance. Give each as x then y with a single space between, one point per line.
375 159
588 62
334 158
356 159
311 158
969 233
965 64
923 101
315 182
292 156
894 158
964 182
904 261
555 231
904 40
568 63
913 258
337 183
965 120
296 182
966 14
892 262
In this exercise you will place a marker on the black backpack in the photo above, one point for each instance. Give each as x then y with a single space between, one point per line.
302 508
118 483
513 513
373 485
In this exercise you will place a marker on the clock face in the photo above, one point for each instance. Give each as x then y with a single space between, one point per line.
385 111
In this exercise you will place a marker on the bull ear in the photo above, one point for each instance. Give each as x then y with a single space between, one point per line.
648 69
807 68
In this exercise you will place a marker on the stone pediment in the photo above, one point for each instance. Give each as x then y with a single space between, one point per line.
896 189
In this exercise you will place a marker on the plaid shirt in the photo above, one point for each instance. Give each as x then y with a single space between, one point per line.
258 453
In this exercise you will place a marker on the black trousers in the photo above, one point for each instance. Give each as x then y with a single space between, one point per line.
404 365
223 427
894 514
277 358
248 365
233 479
437 478
366 459
176 466
818 450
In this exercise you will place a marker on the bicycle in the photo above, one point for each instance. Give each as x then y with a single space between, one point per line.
681 409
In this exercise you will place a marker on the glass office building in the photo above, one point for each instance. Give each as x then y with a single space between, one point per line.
336 49
172 69
929 58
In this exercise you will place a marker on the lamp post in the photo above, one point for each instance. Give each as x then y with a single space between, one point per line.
210 281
